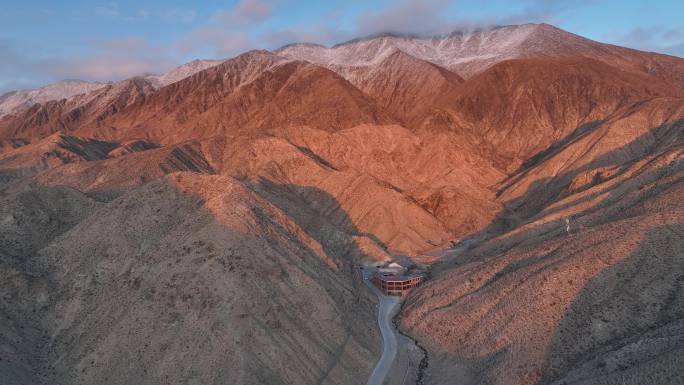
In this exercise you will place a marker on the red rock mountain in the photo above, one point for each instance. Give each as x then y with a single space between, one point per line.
407 86
89 109
206 230
520 107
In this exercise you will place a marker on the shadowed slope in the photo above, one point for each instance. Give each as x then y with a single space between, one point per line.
198 280
623 326
62 150
373 204
55 150
437 173
106 179
603 153
503 312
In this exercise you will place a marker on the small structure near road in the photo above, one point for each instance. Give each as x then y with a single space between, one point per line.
395 278
398 277
396 285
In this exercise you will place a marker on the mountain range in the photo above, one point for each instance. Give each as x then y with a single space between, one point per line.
203 225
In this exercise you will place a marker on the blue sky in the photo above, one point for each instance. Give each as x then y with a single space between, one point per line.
44 41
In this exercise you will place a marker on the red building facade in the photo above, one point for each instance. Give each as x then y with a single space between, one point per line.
396 285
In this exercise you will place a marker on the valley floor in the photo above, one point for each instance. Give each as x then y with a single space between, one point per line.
400 357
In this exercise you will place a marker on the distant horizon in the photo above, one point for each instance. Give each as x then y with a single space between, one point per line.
42 42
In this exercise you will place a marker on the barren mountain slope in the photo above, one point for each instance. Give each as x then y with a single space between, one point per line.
408 87
16 101
597 306
549 41
261 94
328 102
452 193
231 299
109 178
389 183
181 72
85 110
100 169
520 107
437 173
593 154
31 218
55 150
362 203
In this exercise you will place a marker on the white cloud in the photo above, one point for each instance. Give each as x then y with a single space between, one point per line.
224 34
111 60
653 38
322 33
406 16
111 10
429 17
244 12
175 14
183 15
141 14
222 43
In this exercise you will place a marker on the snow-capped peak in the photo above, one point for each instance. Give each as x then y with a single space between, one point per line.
465 52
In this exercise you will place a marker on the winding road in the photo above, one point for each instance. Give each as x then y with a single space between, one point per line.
386 309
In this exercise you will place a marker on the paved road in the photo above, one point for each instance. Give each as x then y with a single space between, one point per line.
387 306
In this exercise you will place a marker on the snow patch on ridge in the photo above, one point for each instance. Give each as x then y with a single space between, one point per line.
449 51
181 72
16 101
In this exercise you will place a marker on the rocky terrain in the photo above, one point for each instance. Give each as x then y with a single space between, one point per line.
223 257
597 304
202 226
16 101
470 52
181 72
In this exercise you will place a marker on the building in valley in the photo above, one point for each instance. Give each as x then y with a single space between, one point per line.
396 285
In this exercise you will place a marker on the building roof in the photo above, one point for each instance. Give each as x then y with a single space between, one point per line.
397 278
405 262
392 266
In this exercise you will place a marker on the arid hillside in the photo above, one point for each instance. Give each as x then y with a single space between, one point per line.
203 226
43 119
590 301
188 278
